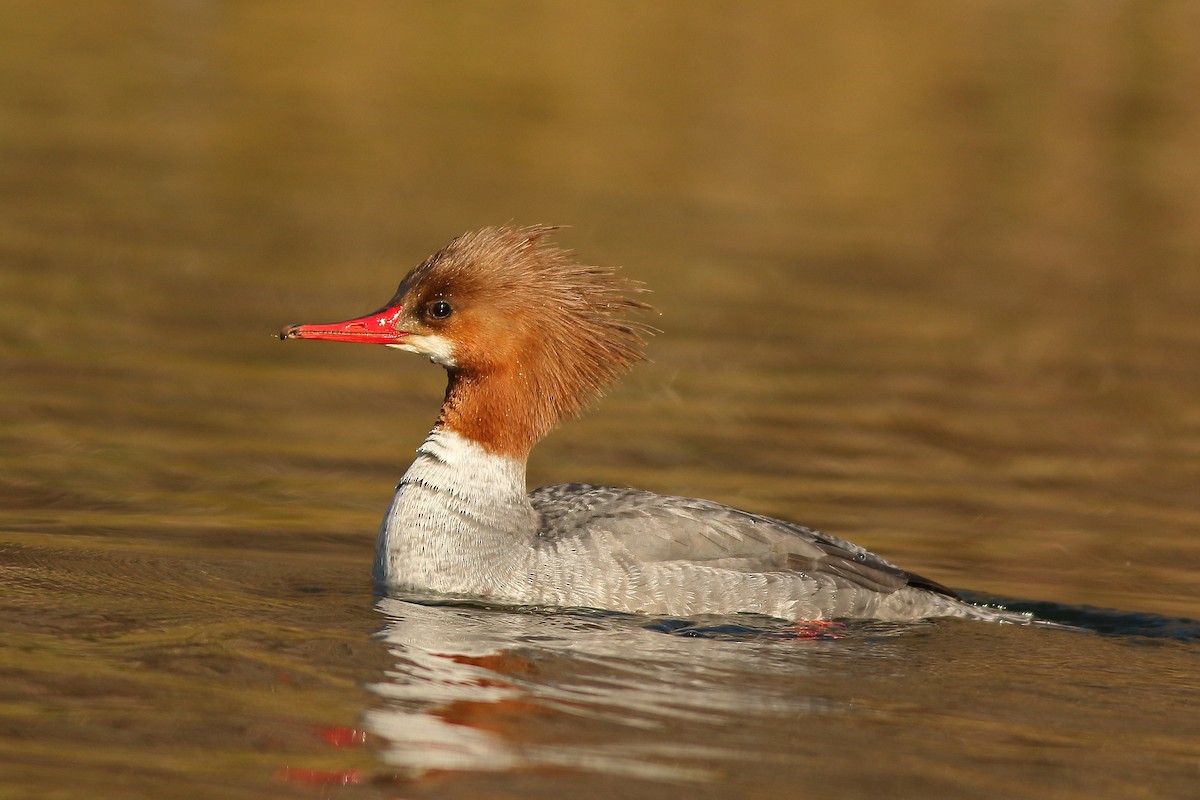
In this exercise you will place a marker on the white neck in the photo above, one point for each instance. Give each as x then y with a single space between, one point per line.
459 523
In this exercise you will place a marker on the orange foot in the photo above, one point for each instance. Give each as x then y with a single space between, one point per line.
815 629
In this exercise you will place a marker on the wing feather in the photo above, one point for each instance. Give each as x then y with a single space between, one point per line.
657 528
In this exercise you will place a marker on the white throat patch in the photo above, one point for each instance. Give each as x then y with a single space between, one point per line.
436 348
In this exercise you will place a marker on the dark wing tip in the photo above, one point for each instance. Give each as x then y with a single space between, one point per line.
920 582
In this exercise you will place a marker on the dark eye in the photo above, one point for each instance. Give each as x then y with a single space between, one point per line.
439 309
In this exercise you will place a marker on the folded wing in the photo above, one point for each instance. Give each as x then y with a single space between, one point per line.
653 528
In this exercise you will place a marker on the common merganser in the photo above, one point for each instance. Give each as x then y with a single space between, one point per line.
528 335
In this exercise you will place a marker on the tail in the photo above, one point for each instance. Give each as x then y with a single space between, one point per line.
1005 617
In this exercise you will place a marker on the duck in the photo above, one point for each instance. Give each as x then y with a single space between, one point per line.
529 336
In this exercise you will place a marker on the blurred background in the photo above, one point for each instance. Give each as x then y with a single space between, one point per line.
928 275
928 272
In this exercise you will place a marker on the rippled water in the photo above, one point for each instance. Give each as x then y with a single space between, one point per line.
761 708
928 280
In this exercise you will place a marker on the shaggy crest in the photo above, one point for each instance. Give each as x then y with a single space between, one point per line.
536 334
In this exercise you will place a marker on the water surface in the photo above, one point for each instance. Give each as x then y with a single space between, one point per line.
928 279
